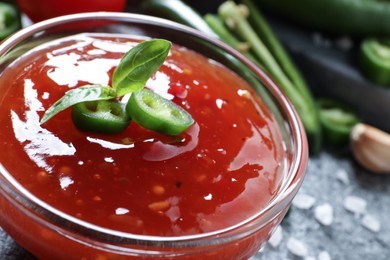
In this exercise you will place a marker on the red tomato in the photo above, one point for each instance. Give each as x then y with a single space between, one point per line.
38 10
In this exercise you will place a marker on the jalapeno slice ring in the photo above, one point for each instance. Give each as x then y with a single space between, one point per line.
156 113
9 20
375 60
103 116
337 121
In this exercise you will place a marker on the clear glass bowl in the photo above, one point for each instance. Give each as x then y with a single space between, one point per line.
50 234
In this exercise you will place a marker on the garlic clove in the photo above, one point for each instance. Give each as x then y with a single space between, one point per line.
371 148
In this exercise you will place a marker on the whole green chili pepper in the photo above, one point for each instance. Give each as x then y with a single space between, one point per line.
374 60
355 17
9 20
177 11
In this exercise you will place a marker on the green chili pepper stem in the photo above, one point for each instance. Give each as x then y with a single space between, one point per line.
230 12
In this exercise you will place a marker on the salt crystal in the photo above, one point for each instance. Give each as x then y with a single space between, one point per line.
371 223
310 258
303 201
342 176
324 256
276 237
324 214
355 204
296 247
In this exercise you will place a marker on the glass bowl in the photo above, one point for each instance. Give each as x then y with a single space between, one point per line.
51 234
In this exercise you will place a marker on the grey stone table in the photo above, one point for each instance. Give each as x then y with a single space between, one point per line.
331 178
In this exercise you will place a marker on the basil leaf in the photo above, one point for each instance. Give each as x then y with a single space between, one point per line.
138 65
78 95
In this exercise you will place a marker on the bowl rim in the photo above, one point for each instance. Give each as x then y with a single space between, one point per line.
296 171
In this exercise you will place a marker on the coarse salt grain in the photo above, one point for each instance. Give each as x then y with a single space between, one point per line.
324 256
303 201
371 223
297 247
355 204
342 176
276 237
324 214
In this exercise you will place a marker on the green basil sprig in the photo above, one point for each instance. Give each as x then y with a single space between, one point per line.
92 112
132 73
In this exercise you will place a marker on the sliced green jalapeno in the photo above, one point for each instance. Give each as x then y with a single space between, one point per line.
375 60
156 113
103 116
337 121
9 20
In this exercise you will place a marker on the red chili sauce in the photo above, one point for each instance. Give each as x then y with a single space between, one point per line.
222 170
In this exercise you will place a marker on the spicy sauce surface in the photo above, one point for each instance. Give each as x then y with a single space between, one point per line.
219 172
